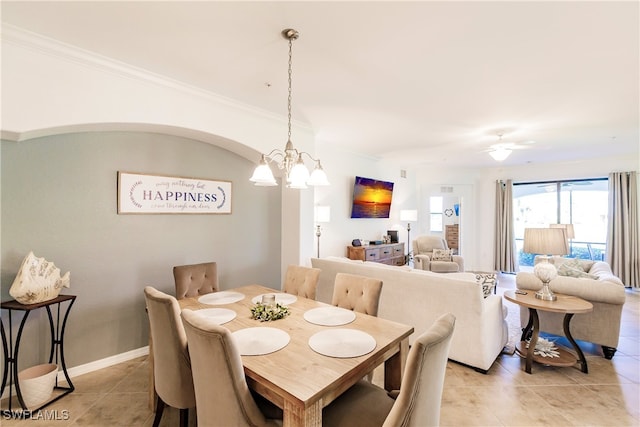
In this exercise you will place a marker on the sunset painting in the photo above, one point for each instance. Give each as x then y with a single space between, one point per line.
371 198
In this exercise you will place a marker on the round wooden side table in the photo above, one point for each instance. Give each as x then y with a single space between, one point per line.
567 304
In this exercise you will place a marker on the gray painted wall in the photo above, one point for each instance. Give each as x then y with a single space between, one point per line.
59 200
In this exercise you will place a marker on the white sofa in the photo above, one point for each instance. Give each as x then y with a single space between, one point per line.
418 298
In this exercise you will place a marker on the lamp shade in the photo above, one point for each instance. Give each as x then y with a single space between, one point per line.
262 175
409 215
318 177
567 227
323 213
545 241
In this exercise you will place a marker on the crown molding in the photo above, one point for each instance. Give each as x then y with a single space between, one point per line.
25 39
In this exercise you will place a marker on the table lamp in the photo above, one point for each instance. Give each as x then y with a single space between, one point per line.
569 230
545 242
409 216
323 214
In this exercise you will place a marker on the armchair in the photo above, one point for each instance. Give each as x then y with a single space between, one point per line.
423 256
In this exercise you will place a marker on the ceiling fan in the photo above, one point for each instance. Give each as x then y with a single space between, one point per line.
501 150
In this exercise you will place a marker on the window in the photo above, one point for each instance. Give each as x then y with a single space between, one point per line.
583 203
435 213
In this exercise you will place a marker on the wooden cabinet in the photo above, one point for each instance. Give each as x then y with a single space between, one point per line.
392 254
451 236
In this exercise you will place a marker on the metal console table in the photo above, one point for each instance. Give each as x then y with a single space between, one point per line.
11 346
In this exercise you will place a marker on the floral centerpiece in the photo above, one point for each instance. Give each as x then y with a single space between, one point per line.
268 312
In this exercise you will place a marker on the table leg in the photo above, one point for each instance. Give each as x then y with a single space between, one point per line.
5 352
57 344
533 316
14 347
395 365
526 331
297 416
576 347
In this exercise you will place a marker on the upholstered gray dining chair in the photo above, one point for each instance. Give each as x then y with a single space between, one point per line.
172 377
195 279
301 281
357 293
223 397
418 401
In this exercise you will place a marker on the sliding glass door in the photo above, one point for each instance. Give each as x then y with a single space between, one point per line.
583 203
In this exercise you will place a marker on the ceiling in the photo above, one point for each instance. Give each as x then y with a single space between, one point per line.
410 82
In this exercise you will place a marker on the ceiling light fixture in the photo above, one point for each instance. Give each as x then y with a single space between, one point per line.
290 160
500 152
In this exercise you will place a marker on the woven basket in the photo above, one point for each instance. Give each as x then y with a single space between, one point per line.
37 382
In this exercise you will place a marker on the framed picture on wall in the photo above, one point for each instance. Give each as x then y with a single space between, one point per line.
159 194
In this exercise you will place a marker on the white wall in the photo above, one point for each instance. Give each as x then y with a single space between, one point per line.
342 167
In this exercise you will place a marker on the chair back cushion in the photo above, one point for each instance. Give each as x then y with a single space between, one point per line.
195 279
301 281
171 365
418 403
426 244
357 293
222 395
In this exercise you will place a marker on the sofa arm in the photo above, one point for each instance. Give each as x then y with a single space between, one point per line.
422 262
588 289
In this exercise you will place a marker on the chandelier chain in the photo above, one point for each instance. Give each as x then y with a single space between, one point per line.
289 97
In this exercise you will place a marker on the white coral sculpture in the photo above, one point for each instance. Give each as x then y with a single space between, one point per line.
38 280
545 348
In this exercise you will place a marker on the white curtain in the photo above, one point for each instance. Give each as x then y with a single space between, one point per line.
623 253
505 242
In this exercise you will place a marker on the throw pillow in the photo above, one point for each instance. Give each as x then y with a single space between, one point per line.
441 255
487 281
573 268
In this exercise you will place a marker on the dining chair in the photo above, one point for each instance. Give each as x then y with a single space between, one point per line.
223 397
301 281
357 293
418 401
195 279
172 377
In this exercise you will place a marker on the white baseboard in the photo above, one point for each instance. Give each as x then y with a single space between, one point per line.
105 363
95 365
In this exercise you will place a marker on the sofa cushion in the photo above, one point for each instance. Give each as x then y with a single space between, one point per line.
442 255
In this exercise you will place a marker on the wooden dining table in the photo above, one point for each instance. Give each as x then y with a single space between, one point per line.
300 380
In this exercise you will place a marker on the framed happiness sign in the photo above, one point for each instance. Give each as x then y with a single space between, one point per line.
157 194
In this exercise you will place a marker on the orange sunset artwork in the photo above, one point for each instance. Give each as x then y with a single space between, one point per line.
371 198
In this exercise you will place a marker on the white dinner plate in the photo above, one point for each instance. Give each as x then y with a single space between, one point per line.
219 298
219 315
260 340
342 343
281 298
329 316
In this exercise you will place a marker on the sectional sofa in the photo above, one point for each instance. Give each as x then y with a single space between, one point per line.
418 298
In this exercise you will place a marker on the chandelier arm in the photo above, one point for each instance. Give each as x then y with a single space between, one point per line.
309 155
274 153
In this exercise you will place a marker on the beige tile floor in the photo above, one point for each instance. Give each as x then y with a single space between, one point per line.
506 396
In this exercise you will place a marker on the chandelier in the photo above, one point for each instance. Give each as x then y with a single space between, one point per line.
290 160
